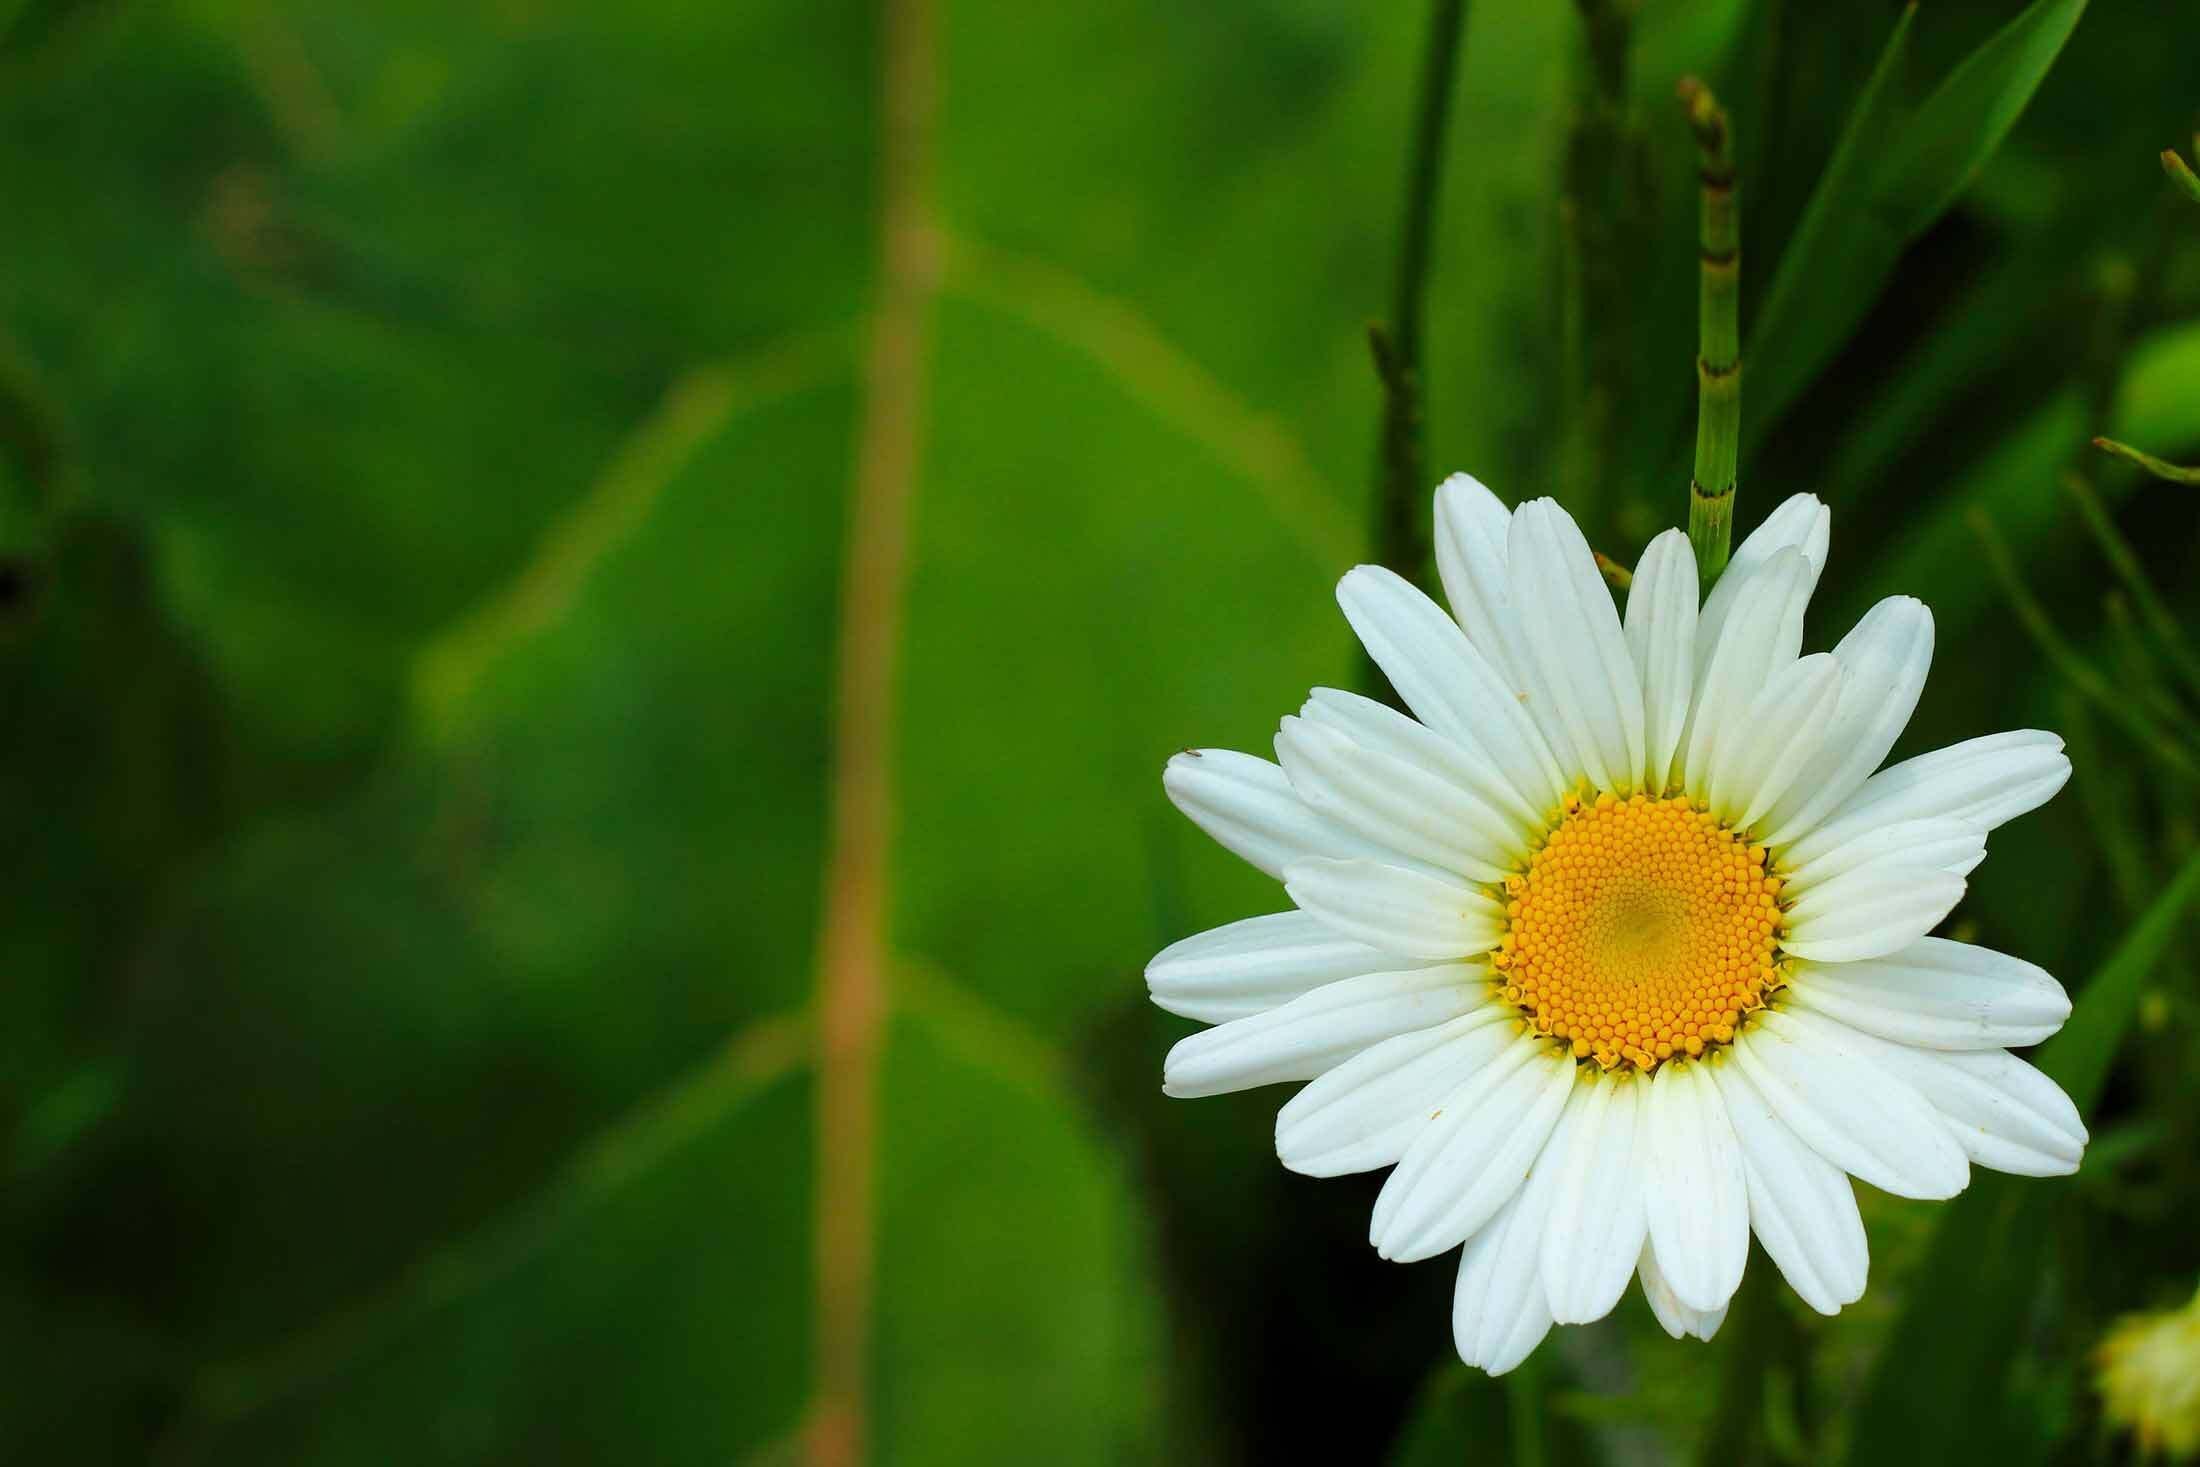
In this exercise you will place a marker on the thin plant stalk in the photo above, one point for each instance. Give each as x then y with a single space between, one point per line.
1397 342
2125 562
1719 335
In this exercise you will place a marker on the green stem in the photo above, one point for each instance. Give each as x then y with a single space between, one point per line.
1719 353
2159 468
2135 665
1397 343
2181 174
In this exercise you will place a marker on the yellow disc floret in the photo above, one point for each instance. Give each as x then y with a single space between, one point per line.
1641 929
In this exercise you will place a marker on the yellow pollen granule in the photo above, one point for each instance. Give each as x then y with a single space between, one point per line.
1641 929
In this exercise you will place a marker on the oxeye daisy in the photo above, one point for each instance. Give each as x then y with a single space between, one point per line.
1616 950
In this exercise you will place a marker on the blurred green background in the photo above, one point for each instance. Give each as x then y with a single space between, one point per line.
429 462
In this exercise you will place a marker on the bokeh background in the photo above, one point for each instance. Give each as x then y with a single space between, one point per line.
433 440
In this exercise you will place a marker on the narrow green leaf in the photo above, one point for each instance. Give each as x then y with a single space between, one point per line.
1961 124
1893 173
1802 322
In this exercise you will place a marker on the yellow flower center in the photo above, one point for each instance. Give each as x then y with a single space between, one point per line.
1641 929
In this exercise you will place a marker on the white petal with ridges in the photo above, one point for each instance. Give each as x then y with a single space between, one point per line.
1471 526
1251 966
1395 804
2004 1113
1380 727
1674 1317
1801 1206
1569 623
1871 1124
1596 1226
1985 780
1500 1306
1760 754
1940 844
1695 1199
1498 1313
1938 994
1762 637
1473 1157
1884 659
1365 1112
1395 909
1247 804
1445 681
1869 912
1318 1031
1661 636
1800 523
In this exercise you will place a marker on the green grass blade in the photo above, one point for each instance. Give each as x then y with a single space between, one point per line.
1802 322
1961 124
1891 176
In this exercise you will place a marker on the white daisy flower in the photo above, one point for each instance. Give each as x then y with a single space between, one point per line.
1617 950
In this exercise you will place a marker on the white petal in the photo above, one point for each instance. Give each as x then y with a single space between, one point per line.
1800 522
1396 909
1661 636
2004 1113
1595 1231
1318 1031
1938 994
1850 1111
1380 727
1869 912
1760 754
1250 966
1445 681
1473 1155
1471 525
1498 1313
1397 805
1985 780
1569 623
1694 1195
1677 1319
1940 844
1365 1112
1884 659
1801 1206
1763 635
1248 805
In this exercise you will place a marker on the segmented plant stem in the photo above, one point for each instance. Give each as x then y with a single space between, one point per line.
1719 350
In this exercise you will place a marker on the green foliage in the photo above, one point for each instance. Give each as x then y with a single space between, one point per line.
426 439
1897 168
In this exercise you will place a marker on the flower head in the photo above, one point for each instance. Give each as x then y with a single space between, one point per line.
2148 1371
1616 950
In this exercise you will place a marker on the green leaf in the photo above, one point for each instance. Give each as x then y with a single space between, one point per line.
1895 171
1958 127
668 1260
1802 322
